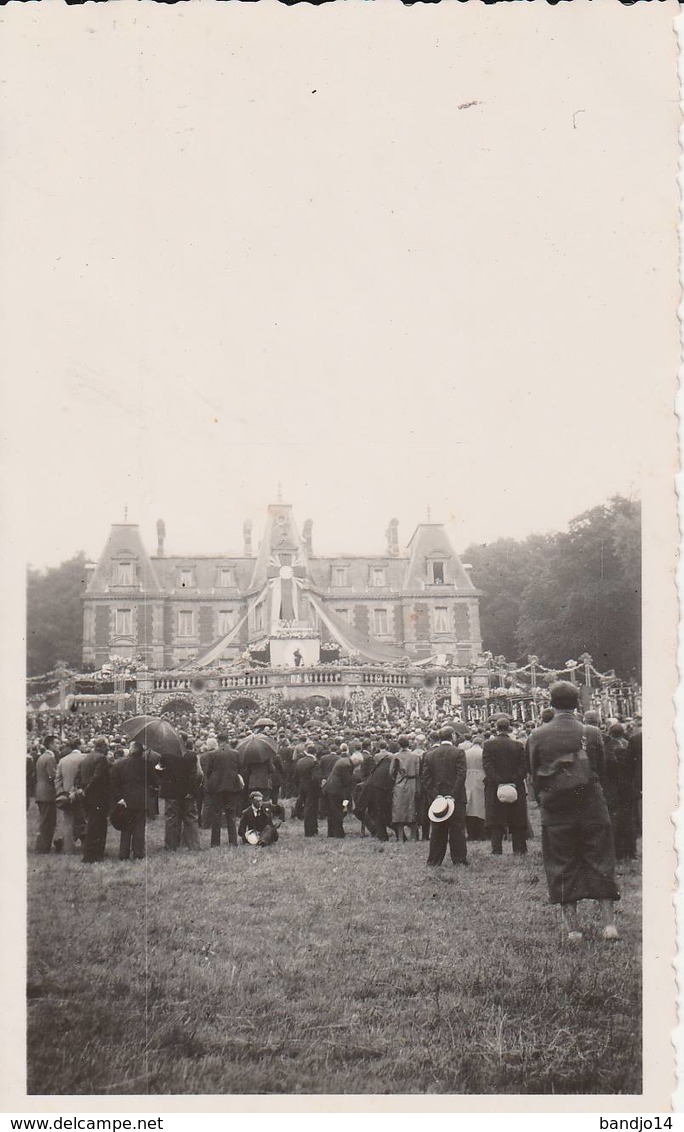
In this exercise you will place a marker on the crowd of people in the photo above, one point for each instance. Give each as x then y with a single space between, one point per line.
398 777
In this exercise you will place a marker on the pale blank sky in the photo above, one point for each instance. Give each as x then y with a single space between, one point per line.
240 257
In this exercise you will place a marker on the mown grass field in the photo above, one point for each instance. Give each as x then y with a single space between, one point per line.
322 966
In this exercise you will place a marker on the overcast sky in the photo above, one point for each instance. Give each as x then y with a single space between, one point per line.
389 273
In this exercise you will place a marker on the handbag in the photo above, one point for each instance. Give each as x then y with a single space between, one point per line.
565 781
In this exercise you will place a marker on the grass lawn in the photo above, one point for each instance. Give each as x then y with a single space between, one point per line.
322 966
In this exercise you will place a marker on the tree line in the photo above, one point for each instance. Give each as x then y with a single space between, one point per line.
559 595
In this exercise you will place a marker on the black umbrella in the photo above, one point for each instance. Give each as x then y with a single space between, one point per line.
256 749
154 733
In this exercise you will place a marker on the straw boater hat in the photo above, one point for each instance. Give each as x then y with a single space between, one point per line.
441 809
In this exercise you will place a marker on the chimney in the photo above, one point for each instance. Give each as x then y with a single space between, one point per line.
306 535
161 535
247 535
392 534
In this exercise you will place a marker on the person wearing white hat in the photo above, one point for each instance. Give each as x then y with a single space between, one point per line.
443 776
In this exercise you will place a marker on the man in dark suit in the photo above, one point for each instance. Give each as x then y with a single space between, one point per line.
338 787
308 779
224 785
93 778
327 762
443 773
129 785
258 820
505 761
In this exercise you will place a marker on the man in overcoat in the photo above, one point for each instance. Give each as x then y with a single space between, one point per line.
339 786
224 785
46 771
93 778
443 773
179 777
504 761
72 817
129 785
308 780
577 840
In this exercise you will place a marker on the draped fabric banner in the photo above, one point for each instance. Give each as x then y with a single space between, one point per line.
352 639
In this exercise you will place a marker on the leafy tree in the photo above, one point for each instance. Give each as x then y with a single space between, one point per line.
569 593
502 570
55 615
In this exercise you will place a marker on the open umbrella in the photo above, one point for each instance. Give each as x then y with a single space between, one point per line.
154 733
256 749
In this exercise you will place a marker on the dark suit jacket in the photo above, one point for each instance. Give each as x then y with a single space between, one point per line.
504 760
327 763
129 781
222 768
307 772
443 771
94 779
250 820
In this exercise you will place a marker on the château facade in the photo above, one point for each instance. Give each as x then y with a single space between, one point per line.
282 602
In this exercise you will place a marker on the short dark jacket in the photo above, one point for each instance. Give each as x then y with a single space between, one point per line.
443 771
129 781
221 769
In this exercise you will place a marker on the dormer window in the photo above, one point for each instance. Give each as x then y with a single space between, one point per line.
378 576
124 574
340 577
436 572
226 577
186 579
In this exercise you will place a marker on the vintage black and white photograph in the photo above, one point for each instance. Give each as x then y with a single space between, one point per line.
346 351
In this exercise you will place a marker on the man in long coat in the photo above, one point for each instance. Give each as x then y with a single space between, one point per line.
338 787
129 785
72 817
308 781
577 840
224 785
504 761
378 791
93 777
46 771
443 773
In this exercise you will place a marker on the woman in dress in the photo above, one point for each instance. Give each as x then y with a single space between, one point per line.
405 775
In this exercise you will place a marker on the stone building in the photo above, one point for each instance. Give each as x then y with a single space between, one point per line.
280 601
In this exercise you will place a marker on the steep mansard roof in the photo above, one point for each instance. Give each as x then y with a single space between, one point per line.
405 571
124 543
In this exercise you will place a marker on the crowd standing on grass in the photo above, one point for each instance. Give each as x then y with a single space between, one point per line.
400 777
